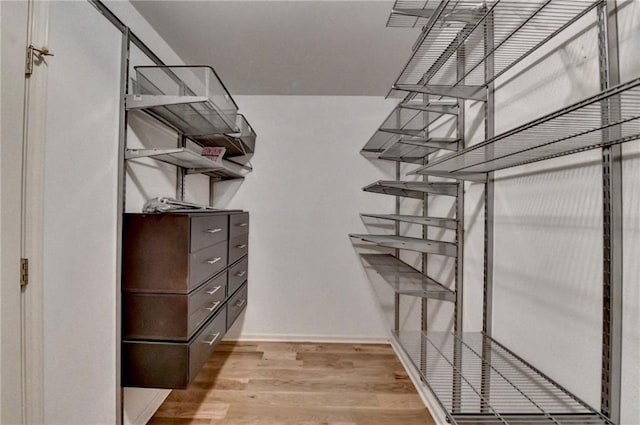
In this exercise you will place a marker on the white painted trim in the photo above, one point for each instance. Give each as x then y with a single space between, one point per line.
151 408
352 339
33 213
425 394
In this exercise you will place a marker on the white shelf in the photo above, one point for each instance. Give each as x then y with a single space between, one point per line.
192 161
406 280
479 381
426 246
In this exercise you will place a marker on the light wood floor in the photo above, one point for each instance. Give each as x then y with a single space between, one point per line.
297 383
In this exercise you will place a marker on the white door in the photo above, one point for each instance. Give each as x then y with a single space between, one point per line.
13 35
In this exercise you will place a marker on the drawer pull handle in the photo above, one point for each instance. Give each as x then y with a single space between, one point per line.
214 290
240 303
243 224
242 273
213 230
243 246
215 336
214 306
214 260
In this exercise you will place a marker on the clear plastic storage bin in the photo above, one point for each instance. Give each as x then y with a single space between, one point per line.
240 143
211 109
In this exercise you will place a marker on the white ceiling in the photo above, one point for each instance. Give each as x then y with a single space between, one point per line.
277 47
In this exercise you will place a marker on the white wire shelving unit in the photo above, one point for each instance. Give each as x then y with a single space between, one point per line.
477 380
464 47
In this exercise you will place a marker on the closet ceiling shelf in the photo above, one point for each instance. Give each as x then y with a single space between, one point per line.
192 161
479 381
445 223
518 27
425 246
610 117
415 190
406 280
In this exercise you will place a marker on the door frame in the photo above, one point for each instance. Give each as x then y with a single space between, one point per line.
28 187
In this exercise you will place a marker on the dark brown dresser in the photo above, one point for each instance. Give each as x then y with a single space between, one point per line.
184 283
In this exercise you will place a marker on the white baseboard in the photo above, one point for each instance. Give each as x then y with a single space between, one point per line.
427 396
149 408
309 338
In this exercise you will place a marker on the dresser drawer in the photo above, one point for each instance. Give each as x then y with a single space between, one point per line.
171 316
238 274
236 304
203 344
238 224
170 364
207 262
161 252
238 247
206 300
207 231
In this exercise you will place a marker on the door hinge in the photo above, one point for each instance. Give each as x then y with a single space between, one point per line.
34 53
24 272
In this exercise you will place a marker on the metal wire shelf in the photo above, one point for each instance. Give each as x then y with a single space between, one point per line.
412 244
192 99
479 381
608 118
382 140
192 161
414 190
403 151
406 280
403 135
518 29
445 223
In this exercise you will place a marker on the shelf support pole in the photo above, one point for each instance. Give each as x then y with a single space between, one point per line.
396 309
181 172
121 207
612 217
424 310
489 131
459 262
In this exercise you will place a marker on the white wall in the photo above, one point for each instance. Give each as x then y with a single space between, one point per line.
629 68
79 217
304 196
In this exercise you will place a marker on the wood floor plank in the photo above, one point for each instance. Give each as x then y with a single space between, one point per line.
258 398
255 415
317 374
281 385
270 383
178 421
200 410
